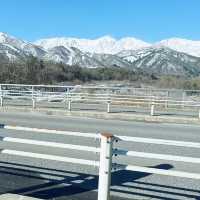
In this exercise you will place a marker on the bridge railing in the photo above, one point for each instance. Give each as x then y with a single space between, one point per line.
108 96
106 151
35 143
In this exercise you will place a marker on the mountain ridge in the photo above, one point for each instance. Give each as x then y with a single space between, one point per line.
191 47
105 44
127 52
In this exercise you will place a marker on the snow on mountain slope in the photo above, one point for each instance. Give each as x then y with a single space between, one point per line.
133 55
26 47
72 56
60 54
106 44
182 45
103 45
109 45
109 60
163 60
11 53
172 56
7 39
85 60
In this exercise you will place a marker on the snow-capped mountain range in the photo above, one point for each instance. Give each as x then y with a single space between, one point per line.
175 55
103 45
109 45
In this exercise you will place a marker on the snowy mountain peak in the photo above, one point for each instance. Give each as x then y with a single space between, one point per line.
105 44
20 45
3 37
177 40
182 45
106 38
130 43
164 57
11 40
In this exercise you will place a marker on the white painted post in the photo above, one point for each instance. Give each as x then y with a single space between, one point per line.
183 99
199 113
108 102
1 101
152 108
69 105
167 98
105 166
69 100
1 96
33 99
34 103
108 106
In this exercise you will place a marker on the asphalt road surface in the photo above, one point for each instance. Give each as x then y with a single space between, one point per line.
56 180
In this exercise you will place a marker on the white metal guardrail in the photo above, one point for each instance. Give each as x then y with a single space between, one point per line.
109 96
106 151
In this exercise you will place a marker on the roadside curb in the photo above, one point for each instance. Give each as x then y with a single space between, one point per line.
102 115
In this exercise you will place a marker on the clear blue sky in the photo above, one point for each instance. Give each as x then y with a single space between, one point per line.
149 20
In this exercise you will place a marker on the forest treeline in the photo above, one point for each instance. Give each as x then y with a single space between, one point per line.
35 71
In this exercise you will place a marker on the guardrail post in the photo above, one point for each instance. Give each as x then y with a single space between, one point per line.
1 96
183 99
108 101
152 108
33 99
69 105
105 166
1 101
199 113
108 106
69 100
34 103
167 98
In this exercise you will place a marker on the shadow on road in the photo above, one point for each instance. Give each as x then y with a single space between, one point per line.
52 184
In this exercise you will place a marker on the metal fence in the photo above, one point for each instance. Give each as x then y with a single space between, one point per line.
106 151
108 98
